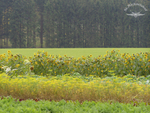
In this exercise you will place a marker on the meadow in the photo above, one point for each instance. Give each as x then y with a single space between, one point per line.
73 52
113 76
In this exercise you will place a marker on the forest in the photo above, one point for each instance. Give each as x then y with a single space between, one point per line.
74 23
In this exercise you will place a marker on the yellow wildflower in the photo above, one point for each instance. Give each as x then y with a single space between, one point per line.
90 55
17 65
8 51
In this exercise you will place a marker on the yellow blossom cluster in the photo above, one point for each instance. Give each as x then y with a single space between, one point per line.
121 89
113 63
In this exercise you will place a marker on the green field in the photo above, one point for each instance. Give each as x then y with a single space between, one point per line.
75 52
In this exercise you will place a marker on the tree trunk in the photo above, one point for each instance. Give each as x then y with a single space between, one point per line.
34 37
41 30
27 34
20 37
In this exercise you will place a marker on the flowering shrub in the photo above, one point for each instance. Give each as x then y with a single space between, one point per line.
76 87
15 65
113 63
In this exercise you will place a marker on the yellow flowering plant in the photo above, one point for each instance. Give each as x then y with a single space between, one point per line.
113 63
77 87
15 65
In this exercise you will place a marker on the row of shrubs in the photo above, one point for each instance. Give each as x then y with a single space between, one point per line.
113 63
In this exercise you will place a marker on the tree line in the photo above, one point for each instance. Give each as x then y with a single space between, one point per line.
73 23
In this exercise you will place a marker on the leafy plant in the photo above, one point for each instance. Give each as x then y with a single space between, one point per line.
111 64
8 104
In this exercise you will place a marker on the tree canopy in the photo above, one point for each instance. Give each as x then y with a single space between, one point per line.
74 23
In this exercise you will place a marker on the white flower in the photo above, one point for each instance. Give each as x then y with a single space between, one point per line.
4 67
26 61
147 81
14 69
8 69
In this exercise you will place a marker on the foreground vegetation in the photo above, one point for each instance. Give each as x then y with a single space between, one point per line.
10 105
76 87
112 79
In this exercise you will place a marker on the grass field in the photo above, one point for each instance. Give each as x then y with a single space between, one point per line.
75 52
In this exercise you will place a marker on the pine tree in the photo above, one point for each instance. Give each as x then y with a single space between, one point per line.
40 6
17 24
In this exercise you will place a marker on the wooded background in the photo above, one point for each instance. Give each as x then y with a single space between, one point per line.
73 23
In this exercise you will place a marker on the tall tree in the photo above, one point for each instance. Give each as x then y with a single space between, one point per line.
17 24
40 6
